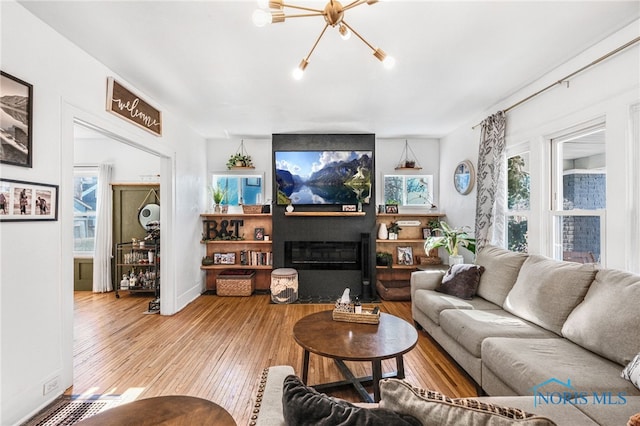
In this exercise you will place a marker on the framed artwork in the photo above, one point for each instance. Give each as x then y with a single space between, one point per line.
391 208
22 201
258 234
409 190
16 122
426 233
405 255
464 177
349 208
224 258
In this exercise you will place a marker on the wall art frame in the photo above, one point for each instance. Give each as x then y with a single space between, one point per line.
22 201
16 121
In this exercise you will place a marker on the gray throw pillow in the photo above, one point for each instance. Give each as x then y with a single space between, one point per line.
437 409
303 405
461 281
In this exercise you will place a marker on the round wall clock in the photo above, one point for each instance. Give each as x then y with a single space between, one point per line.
464 177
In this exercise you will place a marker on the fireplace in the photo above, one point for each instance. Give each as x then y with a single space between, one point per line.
323 255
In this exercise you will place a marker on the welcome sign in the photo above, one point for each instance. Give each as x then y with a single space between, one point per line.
132 108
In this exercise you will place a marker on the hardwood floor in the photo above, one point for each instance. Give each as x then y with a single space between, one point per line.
216 348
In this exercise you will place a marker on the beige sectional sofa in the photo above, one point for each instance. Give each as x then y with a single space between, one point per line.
541 328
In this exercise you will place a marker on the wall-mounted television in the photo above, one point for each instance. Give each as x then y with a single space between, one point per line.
323 177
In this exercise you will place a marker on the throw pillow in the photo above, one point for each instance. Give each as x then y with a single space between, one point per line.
461 281
433 408
303 405
632 371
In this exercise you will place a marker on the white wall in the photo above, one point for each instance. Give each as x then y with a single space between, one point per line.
607 90
36 295
129 163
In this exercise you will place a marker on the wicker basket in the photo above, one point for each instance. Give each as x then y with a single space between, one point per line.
235 284
252 209
366 317
429 260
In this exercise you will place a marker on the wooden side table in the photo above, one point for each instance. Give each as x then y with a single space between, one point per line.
346 341
163 410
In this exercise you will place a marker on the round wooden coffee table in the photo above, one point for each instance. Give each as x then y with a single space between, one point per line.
347 341
165 410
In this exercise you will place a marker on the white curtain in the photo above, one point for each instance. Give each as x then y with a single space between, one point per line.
492 187
104 235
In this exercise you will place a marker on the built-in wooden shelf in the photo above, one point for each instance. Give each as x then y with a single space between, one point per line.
232 215
408 168
236 242
394 266
324 213
434 214
235 266
401 240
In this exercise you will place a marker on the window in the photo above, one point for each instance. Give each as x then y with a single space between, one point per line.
518 200
239 188
85 186
579 195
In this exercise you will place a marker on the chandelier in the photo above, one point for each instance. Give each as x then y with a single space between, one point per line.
333 14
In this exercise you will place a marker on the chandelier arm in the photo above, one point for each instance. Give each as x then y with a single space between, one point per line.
293 6
359 36
354 4
316 43
305 15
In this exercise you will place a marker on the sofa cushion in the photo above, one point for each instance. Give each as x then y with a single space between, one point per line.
501 269
613 414
606 322
561 414
432 303
303 405
525 364
461 281
470 327
547 290
632 371
433 408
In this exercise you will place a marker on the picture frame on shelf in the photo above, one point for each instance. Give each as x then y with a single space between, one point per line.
16 128
224 258
349 208
22 201
426 233
405 255
258 234
391 208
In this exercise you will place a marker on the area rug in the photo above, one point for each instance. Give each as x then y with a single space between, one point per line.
69 409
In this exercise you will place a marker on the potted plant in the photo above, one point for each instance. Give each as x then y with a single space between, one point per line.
451 238
384 259
239 160
394 229
217 195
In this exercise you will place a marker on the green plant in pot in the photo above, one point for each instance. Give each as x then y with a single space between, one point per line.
384 259
239 160
217 195
451 238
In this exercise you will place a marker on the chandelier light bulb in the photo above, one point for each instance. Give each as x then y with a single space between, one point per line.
345 33
389 62
297 74
261 18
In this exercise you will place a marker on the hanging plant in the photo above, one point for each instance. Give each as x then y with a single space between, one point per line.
240 158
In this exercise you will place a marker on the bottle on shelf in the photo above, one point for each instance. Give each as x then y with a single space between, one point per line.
124 284
357 306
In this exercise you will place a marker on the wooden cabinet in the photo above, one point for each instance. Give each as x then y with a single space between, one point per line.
406 250
237 241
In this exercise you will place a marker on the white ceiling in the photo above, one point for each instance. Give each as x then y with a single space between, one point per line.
208 63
